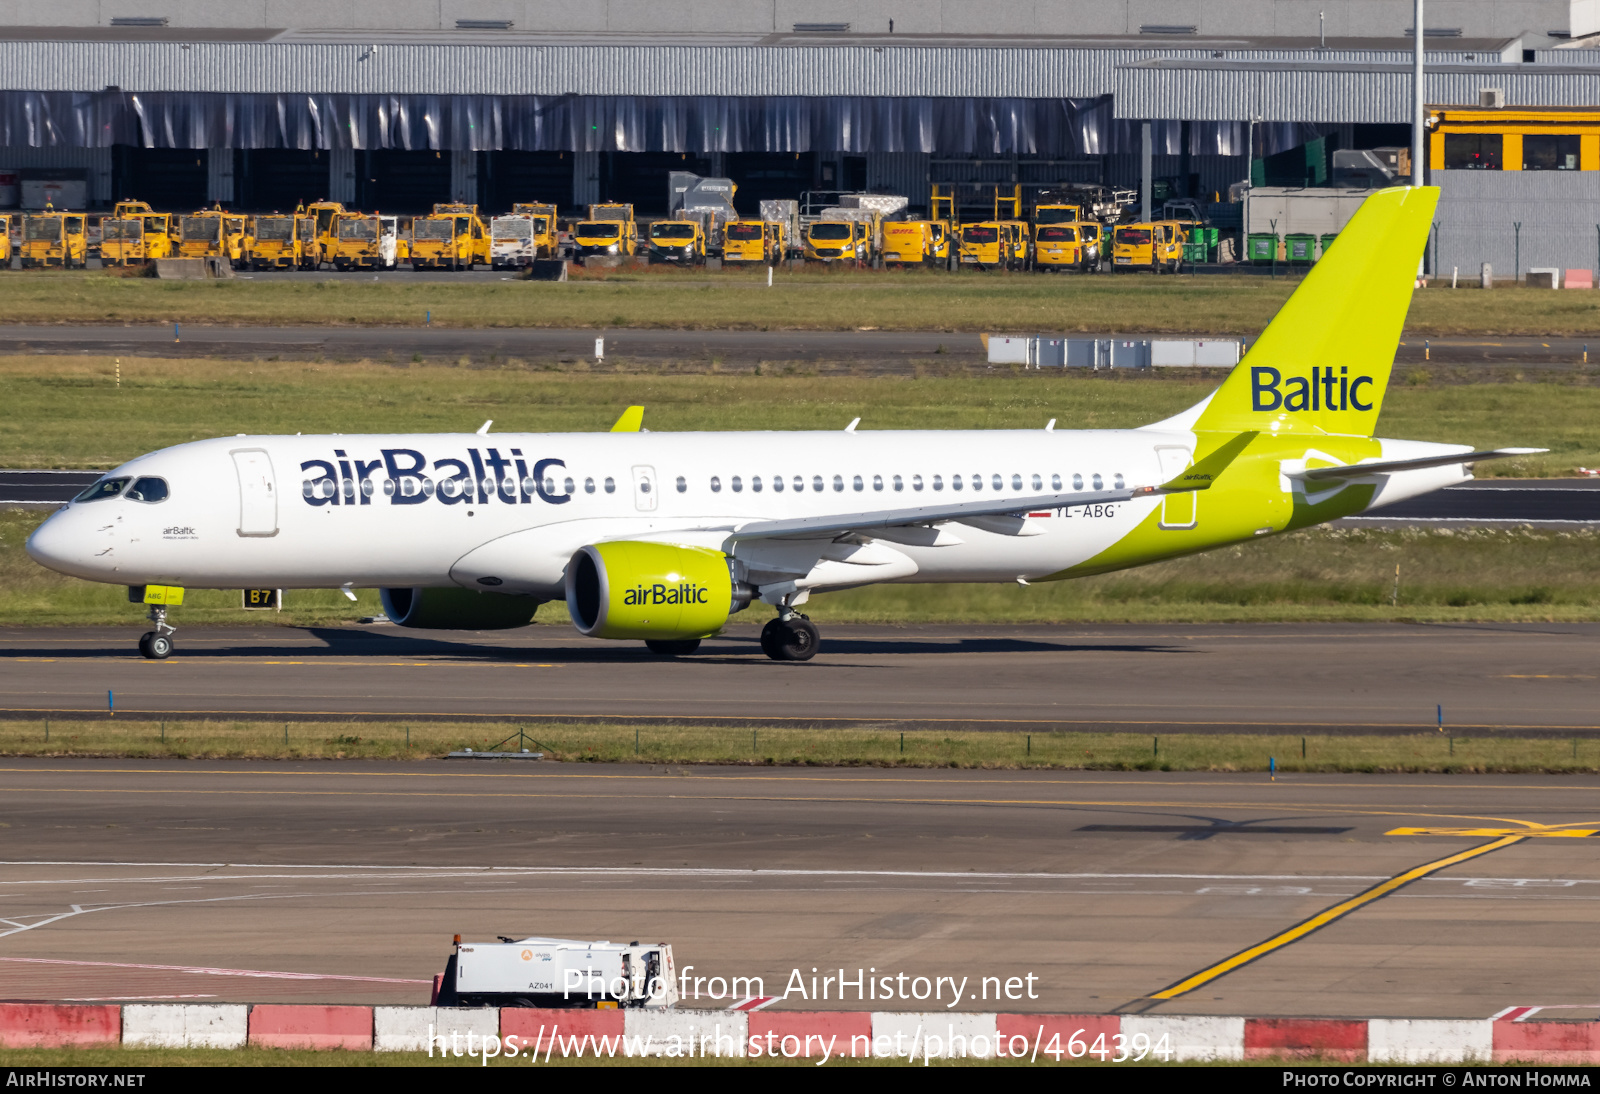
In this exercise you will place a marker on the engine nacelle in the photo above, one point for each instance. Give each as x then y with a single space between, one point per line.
457 609
629 589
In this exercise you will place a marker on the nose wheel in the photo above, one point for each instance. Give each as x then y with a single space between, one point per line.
793 639
156 645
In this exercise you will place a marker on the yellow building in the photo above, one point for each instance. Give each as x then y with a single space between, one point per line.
1514 139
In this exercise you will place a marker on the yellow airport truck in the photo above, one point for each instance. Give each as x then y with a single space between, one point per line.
546 232
829 241
448 241
1155 246
1069 245
1053 212
753 241
275 242
5 240
680 241
213 233
609 232
916 242
318 244
122 241
365 241
154 235
984 244
54 239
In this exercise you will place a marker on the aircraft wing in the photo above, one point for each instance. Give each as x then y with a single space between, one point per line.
1198 476
870 520
1384 467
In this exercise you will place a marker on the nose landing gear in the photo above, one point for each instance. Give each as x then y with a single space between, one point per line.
157 644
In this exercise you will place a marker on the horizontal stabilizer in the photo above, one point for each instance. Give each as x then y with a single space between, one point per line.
1201 475
632 421
1384 467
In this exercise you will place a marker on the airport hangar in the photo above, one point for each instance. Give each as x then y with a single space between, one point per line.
395 105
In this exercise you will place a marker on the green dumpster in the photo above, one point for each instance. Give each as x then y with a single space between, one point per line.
1194 250
1300 247
1211 244
1261 247
1327 241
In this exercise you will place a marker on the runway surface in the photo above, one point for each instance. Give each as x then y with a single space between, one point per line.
1532 679
875 351
1541 502
343 882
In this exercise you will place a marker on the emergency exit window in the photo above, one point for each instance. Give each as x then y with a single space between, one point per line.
1550 152
1472 151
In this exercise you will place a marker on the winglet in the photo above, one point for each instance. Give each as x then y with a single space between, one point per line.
632 421
1201 475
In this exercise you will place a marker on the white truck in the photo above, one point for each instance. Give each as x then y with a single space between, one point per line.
558 972
512 245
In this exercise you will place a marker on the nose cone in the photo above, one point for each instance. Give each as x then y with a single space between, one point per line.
58 544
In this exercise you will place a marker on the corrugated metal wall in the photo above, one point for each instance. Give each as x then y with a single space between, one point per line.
1559 214
437 69
1361 94
900 173
96 161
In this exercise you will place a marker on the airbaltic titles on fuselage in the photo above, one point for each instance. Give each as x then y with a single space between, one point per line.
410 479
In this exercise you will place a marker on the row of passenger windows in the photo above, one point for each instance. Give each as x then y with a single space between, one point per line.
453 487
896 482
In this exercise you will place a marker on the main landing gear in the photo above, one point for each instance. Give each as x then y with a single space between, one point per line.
157 644
790 637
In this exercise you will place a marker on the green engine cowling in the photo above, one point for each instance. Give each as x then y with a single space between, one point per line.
456 609
629 589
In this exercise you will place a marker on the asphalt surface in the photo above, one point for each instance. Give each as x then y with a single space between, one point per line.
1525 501
872 351
1532 679
290 882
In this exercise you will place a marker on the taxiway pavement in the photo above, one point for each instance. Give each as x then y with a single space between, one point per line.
343 882
1534 679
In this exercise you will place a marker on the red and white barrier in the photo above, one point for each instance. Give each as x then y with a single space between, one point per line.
1508 1037
807 1034
186 1025
1305 1039
1547 1042
316 1027
444 1029
1429 1040
58 1025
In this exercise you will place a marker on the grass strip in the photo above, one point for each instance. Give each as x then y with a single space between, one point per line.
810 299
865 746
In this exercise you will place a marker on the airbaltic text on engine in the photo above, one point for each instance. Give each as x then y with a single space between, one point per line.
662 594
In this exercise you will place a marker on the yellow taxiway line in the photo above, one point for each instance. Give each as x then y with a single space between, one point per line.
1330 915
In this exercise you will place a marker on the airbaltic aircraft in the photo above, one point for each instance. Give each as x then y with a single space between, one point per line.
663 537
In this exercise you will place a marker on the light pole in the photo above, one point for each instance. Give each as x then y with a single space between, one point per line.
1416 99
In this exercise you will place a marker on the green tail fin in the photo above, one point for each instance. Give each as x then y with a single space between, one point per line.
1323 363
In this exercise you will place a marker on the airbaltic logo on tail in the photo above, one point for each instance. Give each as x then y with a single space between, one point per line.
682 593
1269 390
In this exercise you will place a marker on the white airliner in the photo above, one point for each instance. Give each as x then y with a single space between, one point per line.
662 537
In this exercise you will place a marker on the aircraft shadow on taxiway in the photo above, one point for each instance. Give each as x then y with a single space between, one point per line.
724 649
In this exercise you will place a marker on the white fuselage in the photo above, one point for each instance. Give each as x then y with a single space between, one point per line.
507 510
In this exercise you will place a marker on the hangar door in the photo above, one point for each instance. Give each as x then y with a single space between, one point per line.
258 494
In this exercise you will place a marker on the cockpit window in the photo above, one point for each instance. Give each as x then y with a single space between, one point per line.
149 490
105 488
